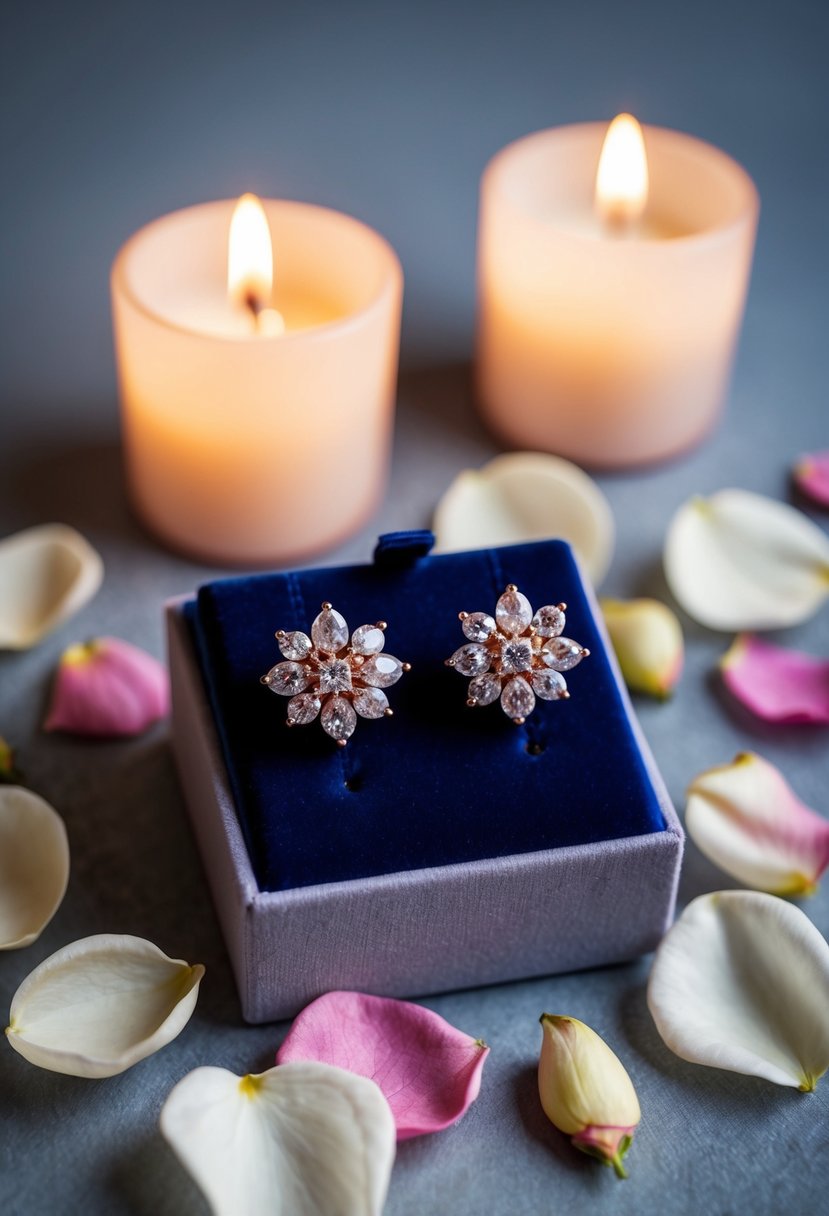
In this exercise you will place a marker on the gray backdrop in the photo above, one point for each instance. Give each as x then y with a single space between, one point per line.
117 113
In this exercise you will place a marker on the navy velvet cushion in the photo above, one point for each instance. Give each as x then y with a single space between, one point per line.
438 782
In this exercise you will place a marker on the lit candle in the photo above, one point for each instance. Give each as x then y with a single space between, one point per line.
257 357
612 278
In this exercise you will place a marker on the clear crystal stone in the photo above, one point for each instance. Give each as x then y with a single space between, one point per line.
381 671
548 622
485 689
513 612
335 676
329 631
517 699
549 684
478 626
304 708
370 702
368 639
295 645
287 679
338 718
561 654
471 660
516 655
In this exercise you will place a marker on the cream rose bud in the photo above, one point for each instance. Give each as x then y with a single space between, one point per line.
585 1091
647 639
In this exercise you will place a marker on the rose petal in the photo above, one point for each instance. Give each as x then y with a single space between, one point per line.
108 688
739 561
647 639
811 473
777 684
9 772
100 1005
745 818
524 496
34 866
429 1072
46 574
305 1139
741 982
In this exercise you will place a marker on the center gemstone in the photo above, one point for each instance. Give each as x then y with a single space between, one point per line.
516 655
335 676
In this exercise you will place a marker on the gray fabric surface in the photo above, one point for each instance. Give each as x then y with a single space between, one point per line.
119 114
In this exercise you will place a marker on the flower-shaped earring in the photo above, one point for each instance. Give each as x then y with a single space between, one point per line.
516 655
326 675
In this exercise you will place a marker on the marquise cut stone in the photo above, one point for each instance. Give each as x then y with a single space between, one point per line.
303 708
471 660
329 631
549 684
478 626
338 718
295 645
549 621
288 679
370 702
562 654
368 639
485 689
516 655
335 676
513 612
381 671
517 699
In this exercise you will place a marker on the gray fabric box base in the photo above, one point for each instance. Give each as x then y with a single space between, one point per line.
419 931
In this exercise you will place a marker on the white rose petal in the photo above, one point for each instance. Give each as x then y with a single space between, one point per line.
34 866
526 496
303 1139
739 561
741 982
47 573
100 1005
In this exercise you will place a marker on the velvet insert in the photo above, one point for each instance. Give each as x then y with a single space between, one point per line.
438 783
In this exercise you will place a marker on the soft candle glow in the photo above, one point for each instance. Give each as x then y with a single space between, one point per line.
250 265
622 177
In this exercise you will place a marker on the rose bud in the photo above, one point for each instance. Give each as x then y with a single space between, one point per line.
585 1091
647 639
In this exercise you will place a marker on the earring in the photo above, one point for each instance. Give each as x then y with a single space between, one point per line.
325 674
516 655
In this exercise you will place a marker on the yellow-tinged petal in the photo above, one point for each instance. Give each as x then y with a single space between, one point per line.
585 1090
647 638
34 866
746 819
302 1139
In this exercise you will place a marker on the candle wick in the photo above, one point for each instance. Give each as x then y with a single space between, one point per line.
254 306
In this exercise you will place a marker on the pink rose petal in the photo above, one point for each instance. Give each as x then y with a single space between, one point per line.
108 688
811 474
777 684
429 1072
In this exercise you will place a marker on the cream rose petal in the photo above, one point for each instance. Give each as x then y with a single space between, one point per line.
47 573
303 1139
525 496
101 1004
741 982
34 866
738 561
744 817
647 639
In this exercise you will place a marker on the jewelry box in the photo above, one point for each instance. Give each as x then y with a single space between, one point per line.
444 847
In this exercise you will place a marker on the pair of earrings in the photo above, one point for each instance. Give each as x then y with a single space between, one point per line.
516 656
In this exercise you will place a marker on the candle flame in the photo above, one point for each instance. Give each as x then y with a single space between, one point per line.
622 177
250 263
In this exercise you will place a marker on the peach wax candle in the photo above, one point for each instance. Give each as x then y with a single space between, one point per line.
610 295
257 363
